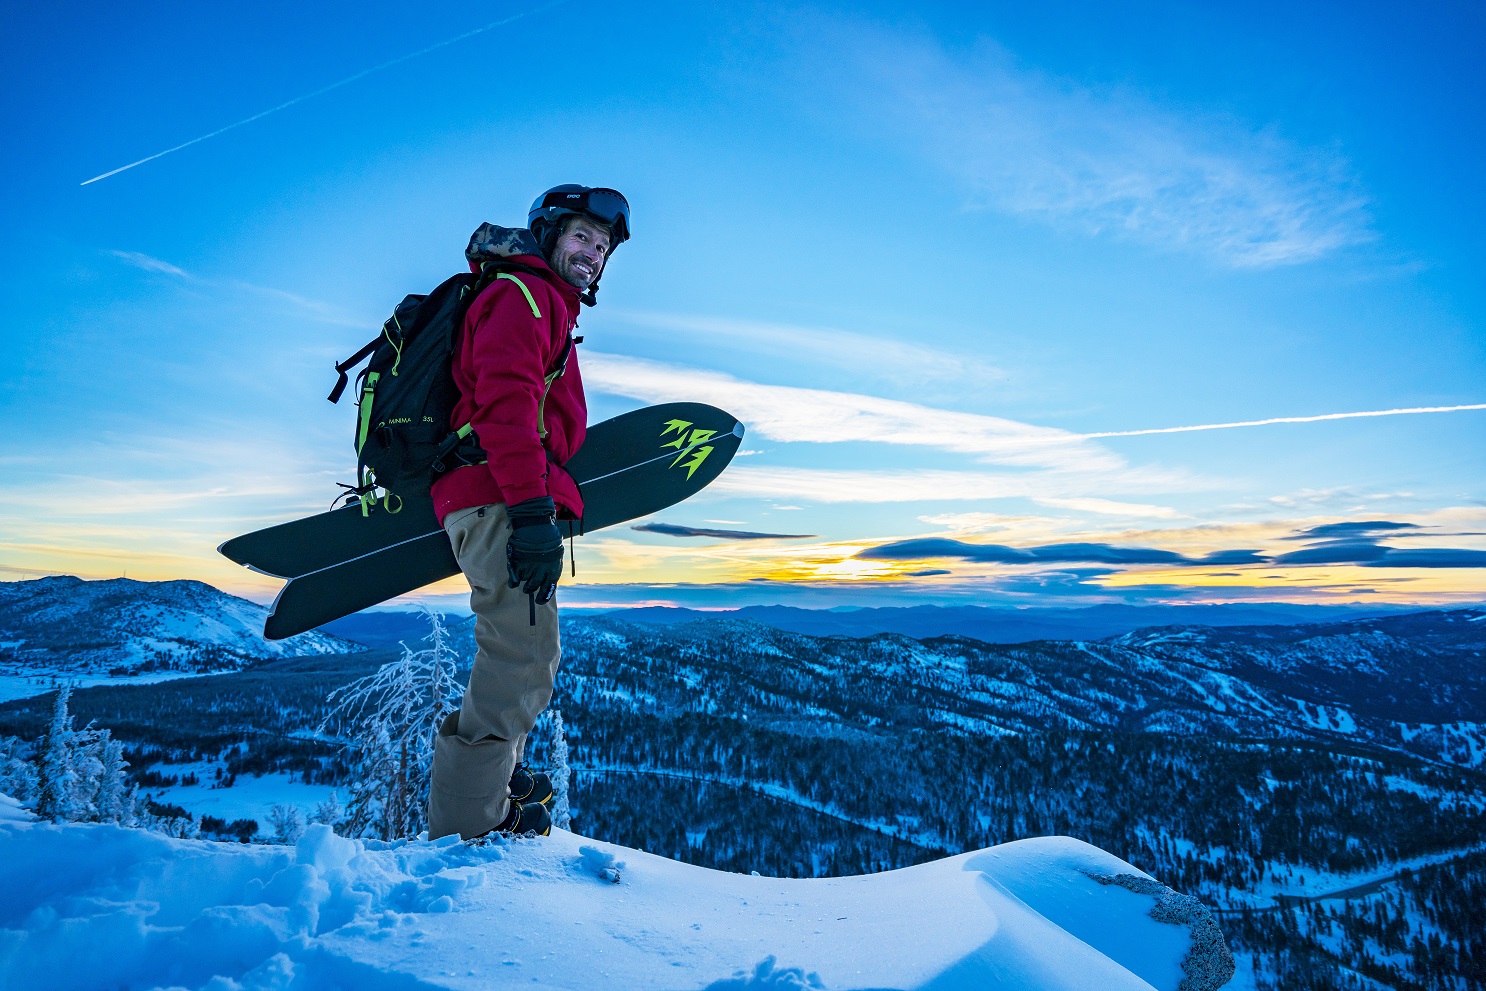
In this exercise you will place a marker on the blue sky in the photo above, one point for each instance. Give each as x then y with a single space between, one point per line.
924 252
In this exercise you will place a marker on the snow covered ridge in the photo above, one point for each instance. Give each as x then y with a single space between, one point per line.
68 626
101 906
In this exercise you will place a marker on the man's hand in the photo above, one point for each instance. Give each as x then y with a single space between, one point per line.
534 552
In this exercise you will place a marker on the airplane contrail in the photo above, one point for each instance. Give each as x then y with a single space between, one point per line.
326 89
1286 419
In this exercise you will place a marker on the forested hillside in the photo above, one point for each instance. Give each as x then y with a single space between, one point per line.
1253 767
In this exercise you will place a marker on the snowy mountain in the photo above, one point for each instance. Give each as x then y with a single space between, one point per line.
1413 684
1320 786
68 626
101 906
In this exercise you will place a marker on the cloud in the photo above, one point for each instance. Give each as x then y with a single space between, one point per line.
1075 553
1334 552
674 530
1231 557
1098 161
885 486
1351 547
1343 496
865 354
790 414
1443 557
1108 507
314 309
1374 555
979 522
1359 528
141 260
1354 542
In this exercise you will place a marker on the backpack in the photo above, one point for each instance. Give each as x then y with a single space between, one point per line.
407 392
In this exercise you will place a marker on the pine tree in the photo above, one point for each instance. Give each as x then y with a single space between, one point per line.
17 773
113 801
88 765
57 777
560 772
392 717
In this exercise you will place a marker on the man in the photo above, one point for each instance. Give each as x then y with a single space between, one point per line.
519 387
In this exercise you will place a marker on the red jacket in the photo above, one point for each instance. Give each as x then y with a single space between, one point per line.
504 354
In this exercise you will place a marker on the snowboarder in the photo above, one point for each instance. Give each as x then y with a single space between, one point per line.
519 386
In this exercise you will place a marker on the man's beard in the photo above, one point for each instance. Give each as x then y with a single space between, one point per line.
568 274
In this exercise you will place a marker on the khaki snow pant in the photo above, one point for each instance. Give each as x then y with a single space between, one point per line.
515 665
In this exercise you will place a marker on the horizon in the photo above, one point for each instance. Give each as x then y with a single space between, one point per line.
1022 308
456 604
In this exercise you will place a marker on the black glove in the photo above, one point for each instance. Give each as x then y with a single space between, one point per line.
534 552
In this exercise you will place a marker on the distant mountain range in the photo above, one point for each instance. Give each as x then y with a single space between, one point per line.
121 626
992 624
985 623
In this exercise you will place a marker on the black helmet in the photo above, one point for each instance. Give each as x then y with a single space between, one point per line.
607 206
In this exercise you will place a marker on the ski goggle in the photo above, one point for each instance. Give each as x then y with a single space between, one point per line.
608 205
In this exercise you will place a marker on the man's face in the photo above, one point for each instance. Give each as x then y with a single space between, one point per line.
578 257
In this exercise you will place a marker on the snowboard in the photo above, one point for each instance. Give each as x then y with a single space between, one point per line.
343 561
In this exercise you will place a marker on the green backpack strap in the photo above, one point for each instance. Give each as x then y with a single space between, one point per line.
524 291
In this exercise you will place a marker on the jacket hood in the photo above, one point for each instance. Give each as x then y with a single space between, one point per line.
492 243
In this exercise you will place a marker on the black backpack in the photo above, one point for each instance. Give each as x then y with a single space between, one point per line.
407 393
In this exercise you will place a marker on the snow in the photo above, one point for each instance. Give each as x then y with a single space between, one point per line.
89 906
11 810
34 683
1318 884
1333 718
250 797
93 627
1462 743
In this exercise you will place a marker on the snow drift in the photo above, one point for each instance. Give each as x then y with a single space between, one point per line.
89 906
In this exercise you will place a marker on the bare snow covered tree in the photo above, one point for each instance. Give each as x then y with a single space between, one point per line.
329 811
559 771
287 822
388 721
182 827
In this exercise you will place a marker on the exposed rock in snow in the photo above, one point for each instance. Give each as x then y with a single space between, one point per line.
1209 964
102 906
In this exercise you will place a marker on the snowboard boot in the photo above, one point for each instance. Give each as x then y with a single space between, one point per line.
530 787
526 818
